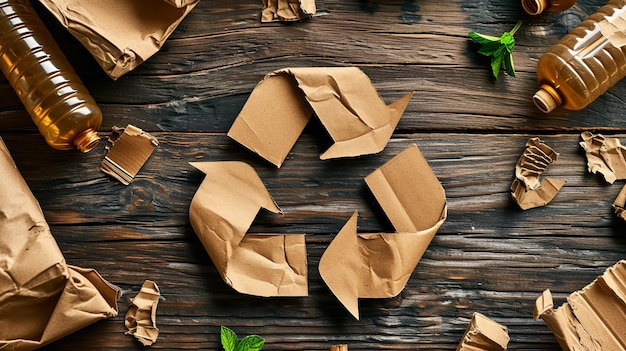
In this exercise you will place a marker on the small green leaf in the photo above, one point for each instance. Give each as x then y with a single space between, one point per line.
508 64
229 339
250 343
481 38
499 48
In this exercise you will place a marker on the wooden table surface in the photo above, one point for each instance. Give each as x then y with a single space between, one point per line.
489 256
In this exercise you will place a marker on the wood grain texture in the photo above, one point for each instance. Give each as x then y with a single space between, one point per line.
489 256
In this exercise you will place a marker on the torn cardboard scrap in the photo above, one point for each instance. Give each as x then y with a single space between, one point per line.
343 98
379 265
120 34
593 318
606 156
42 299
619 204
221 213
128 149
483 334
140 318
287 10
527 189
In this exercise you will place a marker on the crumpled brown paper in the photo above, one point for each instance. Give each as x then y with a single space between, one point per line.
140 318
593 318
221 213
120 34
619 204
527 189
606 156
483 334
379 265
287 10
343 98
42 298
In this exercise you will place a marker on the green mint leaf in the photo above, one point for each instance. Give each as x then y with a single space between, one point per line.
496 63
482 39
250 343
499 48
228 338
508 41
508 64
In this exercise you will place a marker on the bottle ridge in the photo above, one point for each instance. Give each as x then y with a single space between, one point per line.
51 91
535 7
586 62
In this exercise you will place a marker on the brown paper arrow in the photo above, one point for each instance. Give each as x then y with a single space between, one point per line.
221 213
343 98
379 265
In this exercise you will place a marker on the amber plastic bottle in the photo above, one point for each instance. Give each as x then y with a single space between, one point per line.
583 65
54 96
535 7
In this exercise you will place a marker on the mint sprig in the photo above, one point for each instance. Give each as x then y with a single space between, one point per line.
230 342
499 48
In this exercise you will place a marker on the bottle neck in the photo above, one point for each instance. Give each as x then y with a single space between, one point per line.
534 7
86 140
547 98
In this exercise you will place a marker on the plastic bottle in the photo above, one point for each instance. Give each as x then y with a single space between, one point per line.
583 64
535 7
51 91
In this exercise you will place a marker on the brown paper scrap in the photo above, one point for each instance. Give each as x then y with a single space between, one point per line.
42 299
527 189
287 10
593 318
141 315
221 213
129 149
483 334
379 265
606 156
343 98
619 204
120 34
613 28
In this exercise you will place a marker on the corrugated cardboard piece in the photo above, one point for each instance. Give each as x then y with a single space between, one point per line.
287 10
128 150
483 334
593 318
120 34
606 156
140 318
527 190
221 213
42 298
343 98
379 265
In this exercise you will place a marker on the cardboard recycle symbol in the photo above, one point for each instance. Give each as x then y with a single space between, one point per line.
353 266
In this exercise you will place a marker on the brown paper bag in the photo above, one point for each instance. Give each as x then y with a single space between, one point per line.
41 297
120 34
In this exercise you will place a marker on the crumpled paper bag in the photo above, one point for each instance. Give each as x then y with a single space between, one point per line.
42 298
120 34
379 265
343 98
221 213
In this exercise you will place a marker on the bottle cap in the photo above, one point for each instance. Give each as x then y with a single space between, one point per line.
86 140
547 99
534 7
